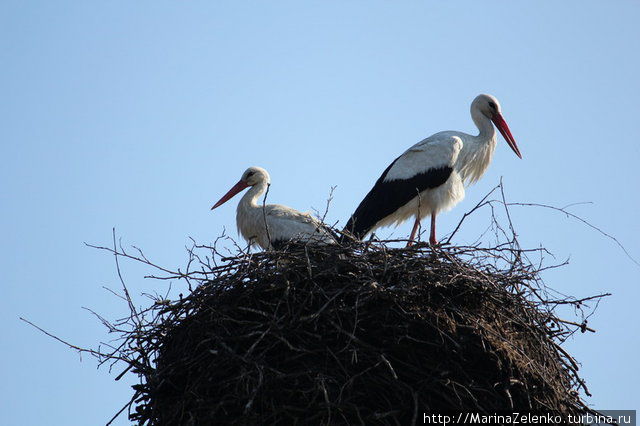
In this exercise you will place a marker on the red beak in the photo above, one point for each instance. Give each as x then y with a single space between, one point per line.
229 195
506 133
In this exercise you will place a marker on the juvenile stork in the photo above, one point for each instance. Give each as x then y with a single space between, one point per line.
271 225
430 176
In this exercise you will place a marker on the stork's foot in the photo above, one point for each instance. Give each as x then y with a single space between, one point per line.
409 243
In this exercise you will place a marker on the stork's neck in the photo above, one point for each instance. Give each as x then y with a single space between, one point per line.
250 198
484 125
477 150
250 216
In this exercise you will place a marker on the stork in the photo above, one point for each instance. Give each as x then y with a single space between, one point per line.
271 225
430 177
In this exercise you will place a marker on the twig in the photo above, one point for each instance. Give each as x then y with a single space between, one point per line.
264 213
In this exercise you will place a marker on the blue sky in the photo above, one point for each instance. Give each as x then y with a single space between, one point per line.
140 115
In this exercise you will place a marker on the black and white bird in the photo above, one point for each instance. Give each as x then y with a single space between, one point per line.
430 177
271 225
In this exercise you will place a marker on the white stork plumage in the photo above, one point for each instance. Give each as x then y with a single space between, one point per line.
271 225
430 176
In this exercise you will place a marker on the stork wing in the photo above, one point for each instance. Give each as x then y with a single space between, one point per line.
286 224
426 165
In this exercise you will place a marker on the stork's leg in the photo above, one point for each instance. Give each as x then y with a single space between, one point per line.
413 231
432 236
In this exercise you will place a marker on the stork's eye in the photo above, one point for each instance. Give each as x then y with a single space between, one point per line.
250 174
493 106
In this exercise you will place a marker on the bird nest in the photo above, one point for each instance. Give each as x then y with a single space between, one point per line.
355 334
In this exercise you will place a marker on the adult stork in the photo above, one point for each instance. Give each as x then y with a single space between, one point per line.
430 176
271 225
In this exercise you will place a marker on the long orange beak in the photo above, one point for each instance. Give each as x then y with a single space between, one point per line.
229 195
498 120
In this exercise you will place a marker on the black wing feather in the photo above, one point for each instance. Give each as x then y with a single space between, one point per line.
387 197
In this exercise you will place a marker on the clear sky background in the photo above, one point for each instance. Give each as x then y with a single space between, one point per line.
139 115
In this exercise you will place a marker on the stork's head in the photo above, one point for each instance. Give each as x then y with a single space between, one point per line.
252 176
255 175
489 107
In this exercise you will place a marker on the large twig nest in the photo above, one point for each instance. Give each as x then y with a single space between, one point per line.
354 335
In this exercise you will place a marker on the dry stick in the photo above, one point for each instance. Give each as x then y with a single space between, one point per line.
328 203
69 345
132 308
574 216
517 260
578 301
582 326
484 202
128 404
574 365
514 236
418 218
126 370
480 204
128 256
264 213
329 229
